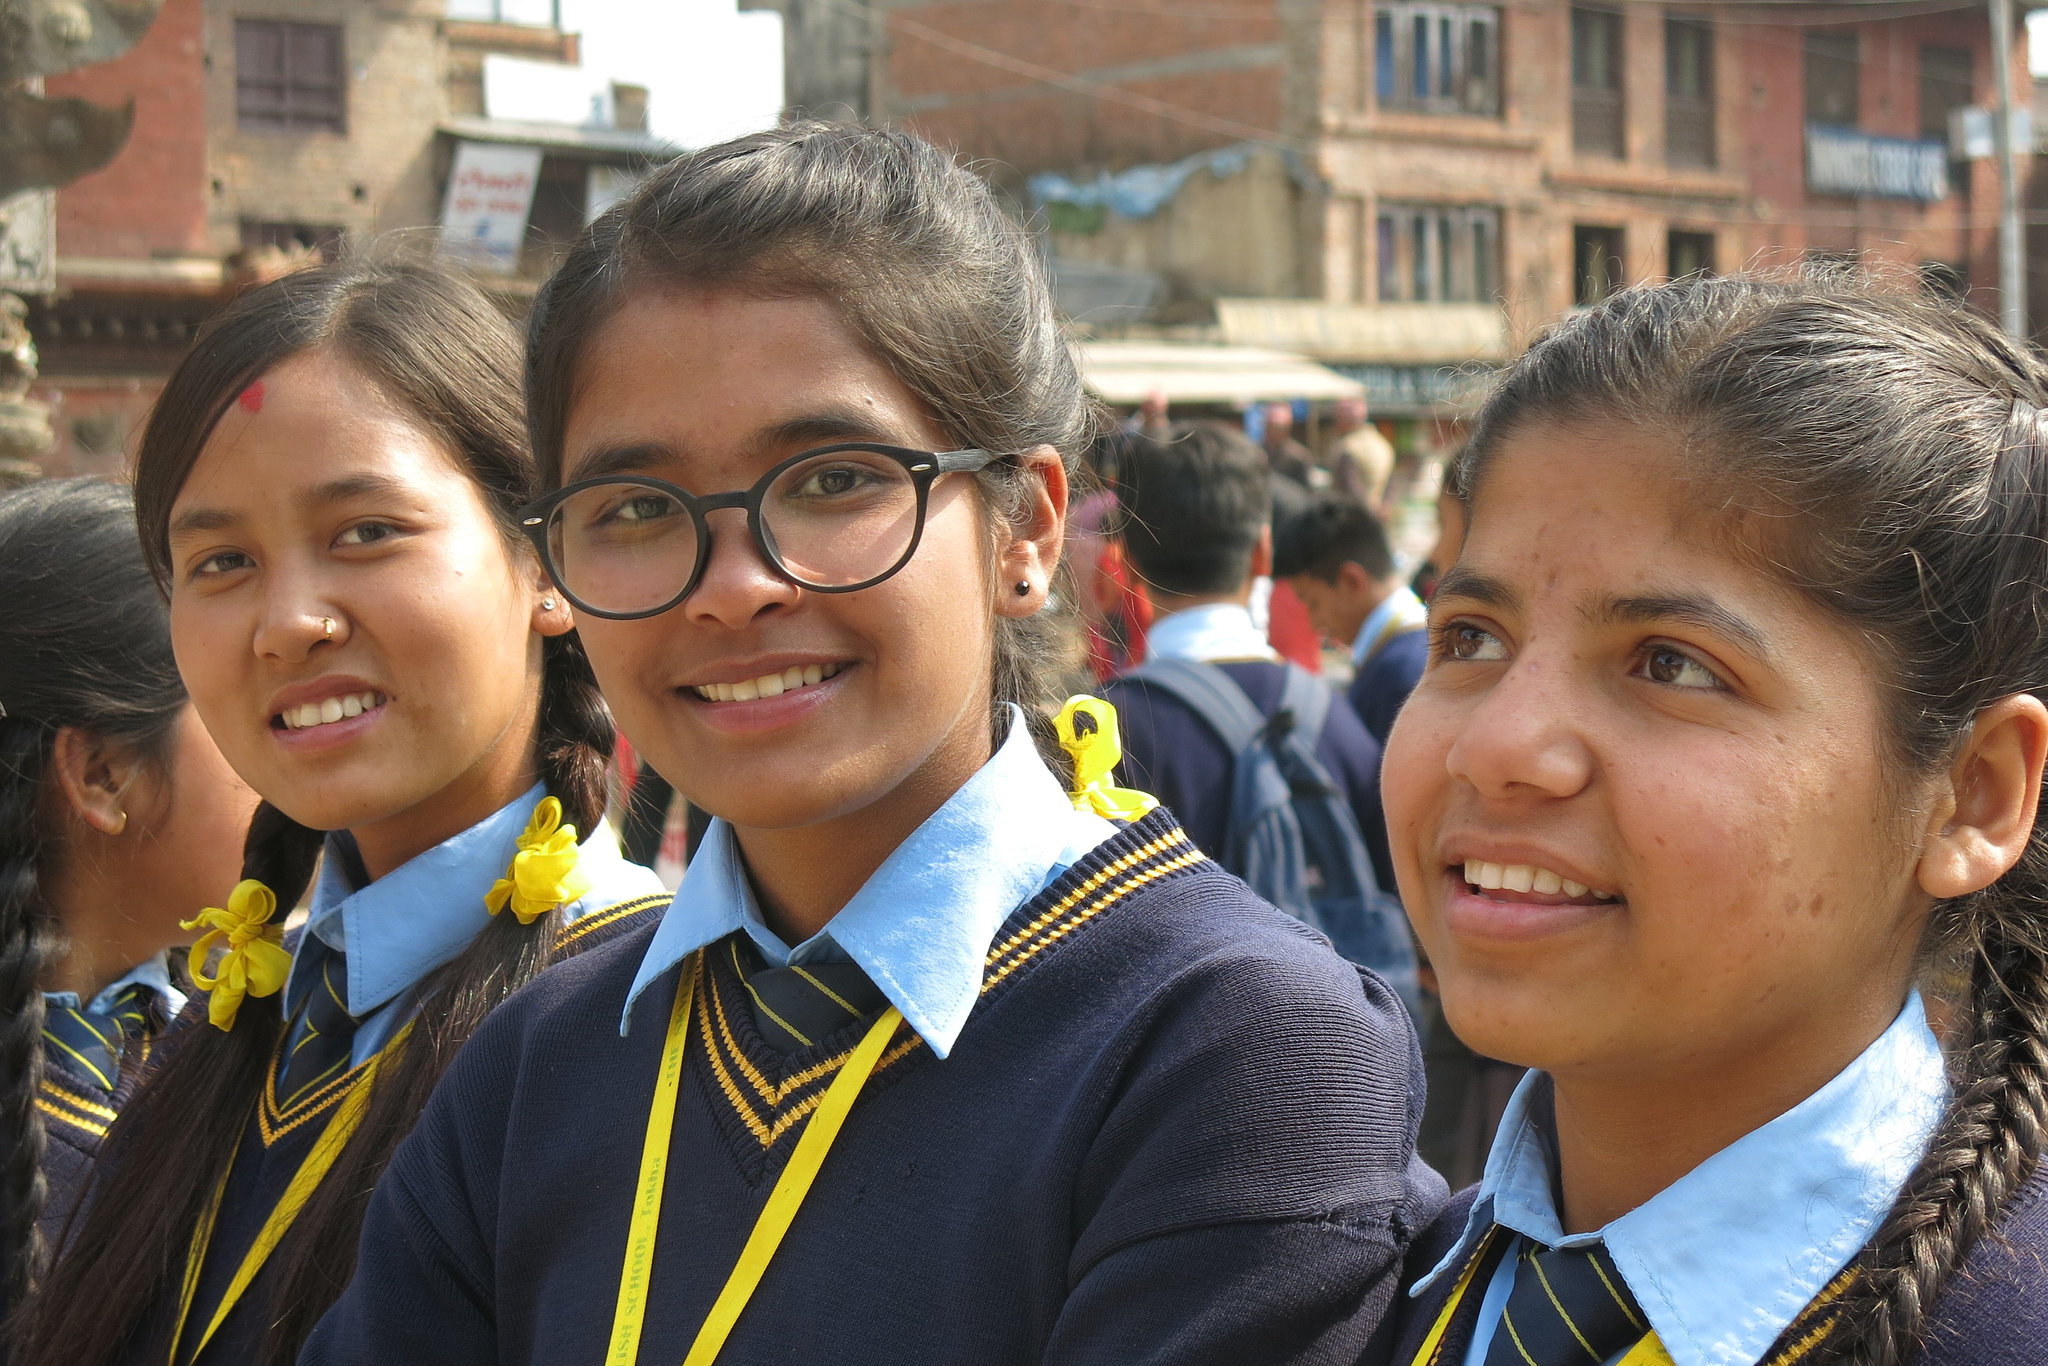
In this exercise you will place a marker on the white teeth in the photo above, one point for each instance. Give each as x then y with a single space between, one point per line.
767 685
329 710
1526 877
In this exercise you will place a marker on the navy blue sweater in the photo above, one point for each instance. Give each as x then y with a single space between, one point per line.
275 1141
1386 678
1994 1313
1176 1128
1172 753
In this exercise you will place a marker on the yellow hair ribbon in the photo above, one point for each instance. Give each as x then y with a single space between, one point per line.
544 874
255 963
1088 733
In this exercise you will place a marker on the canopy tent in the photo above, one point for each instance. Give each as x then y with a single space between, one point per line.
1125 372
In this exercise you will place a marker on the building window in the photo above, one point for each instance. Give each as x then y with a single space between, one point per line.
1437 254
1596 264
1832 78
1444 59
1945 88
1688 92
1689 253
288 77
1596 82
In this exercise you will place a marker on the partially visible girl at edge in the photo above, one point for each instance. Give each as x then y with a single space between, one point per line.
118 817
1731 745
326 489
1136 1114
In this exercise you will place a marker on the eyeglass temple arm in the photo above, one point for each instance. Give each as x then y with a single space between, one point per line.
962 462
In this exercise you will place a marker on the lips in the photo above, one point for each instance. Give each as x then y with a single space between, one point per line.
774 684
327 711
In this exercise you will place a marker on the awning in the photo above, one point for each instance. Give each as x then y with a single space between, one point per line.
1368 334
1125 372
619 145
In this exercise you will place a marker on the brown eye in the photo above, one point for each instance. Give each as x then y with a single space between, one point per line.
1677 669
1463 640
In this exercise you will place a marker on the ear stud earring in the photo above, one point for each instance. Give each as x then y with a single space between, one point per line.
123 826
547 604
1023 588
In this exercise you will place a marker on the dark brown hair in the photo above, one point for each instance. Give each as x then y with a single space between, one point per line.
438 348
1884 455
84 643
921 262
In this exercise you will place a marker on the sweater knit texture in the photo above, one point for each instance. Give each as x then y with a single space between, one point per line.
1176 1128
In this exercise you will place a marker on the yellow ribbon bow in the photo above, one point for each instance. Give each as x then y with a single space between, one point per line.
544 874
255 963
1088 733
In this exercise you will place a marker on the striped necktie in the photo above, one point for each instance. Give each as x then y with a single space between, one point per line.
796 1007
1569 1307
90 1042
322 1033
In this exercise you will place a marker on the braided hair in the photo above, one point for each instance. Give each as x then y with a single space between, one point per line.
84 643
443 353
1889 453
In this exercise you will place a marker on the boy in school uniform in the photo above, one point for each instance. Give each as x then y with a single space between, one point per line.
1337 559
1198 529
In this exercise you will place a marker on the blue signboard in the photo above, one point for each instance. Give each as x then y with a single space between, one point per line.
1845 161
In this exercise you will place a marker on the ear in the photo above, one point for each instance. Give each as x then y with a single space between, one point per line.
552 615
1984 813
1352 580
1262 554
1033 550
96 778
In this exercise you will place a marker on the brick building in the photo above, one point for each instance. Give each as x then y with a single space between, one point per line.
264 129
1400 188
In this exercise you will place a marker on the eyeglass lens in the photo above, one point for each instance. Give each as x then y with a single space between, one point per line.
834 521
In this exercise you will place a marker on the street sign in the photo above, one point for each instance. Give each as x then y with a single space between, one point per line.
490 194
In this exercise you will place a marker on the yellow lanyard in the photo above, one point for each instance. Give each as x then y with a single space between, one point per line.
1647 1352
347 1115
776 1216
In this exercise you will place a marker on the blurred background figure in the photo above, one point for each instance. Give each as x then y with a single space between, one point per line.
1335 557
1361 459
1285 454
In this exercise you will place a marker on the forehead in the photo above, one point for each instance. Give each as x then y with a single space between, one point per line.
703 374
1566 507
309 421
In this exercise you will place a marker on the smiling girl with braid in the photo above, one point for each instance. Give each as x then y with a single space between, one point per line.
1719 805
326 491
932 1060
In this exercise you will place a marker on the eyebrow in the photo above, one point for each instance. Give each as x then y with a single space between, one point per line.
1484 589
821 428
319 496
1702 613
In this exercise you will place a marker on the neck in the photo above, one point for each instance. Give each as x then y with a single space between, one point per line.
1166 604
803 876
108 926
1623 1139
487 787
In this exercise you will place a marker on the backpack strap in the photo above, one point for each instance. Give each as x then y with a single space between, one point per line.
1308 697
1211 694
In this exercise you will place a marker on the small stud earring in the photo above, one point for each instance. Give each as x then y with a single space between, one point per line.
547 604
1023 588
123 826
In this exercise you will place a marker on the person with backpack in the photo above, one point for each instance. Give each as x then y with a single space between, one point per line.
1336 558
1271 772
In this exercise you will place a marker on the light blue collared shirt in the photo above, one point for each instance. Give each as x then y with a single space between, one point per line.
1727 1256
922 925
425 912
1212 631
1399 610
154 973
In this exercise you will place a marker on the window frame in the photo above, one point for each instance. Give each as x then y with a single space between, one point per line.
1454 39
1689 134
1599 106
1436 253
294 99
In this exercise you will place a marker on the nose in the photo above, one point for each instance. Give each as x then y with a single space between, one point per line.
738 585
297 616
1525 736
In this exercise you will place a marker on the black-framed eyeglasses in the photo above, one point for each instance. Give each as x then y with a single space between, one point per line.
834 520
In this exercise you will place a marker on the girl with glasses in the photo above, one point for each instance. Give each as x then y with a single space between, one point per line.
929 1061
327 492
1718 804
117 817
